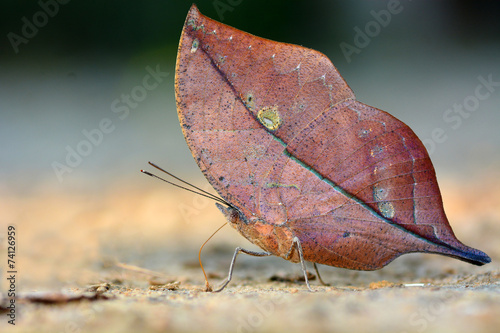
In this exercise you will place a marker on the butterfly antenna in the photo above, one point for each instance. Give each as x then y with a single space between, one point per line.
198 191
208 287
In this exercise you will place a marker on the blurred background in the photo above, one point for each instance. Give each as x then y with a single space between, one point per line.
77 197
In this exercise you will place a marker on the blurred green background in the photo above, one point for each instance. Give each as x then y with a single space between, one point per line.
61 80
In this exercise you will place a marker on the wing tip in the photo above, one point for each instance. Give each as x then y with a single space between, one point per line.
193 14
471 256
193 9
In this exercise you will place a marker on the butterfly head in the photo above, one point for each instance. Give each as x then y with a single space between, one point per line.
233 216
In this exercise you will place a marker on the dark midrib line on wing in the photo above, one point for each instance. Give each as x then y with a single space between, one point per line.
356 199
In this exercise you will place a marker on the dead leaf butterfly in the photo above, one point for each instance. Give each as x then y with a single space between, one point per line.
307 172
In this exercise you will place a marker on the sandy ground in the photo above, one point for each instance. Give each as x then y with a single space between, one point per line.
125 260
447 302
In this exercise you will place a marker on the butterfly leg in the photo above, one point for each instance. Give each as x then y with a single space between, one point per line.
236 252
296 244
319 276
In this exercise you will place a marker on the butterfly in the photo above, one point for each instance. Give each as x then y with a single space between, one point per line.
306 172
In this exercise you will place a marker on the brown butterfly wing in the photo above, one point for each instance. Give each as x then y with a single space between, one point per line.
278 133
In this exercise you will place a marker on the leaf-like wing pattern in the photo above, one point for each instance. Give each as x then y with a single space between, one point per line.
278 133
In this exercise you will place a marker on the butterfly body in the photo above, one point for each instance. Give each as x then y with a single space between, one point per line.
273 238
